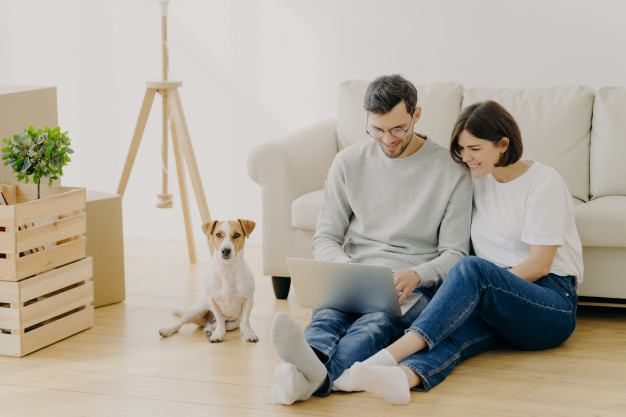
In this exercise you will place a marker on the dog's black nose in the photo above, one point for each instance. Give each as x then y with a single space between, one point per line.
226 252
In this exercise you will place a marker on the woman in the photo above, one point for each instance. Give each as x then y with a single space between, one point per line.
521 285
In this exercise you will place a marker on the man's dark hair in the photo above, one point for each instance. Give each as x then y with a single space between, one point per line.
386 91
488 120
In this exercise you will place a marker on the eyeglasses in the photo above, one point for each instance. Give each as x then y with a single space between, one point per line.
396 132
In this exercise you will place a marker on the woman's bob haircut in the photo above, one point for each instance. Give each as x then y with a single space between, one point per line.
490 121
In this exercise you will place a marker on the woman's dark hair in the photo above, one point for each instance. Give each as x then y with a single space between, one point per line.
386 91
488 120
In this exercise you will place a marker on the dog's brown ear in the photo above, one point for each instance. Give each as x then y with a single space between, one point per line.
208 228
247 226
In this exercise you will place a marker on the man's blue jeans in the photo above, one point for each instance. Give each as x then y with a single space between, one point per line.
480 304
344 338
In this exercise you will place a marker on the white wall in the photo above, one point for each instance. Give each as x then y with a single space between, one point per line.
256 69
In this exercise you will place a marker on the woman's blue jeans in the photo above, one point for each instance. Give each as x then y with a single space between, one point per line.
480 304
341 339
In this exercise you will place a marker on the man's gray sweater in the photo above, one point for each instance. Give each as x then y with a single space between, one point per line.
405 213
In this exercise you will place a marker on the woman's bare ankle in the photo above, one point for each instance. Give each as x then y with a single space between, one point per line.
412 377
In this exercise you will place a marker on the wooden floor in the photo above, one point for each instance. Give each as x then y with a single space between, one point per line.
121 367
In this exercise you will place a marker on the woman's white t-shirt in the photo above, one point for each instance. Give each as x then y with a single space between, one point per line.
533 209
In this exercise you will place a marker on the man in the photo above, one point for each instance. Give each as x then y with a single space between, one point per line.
399 201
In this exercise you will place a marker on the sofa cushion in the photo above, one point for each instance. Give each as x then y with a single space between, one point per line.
555 125
306 209
608 143
440 103
602 222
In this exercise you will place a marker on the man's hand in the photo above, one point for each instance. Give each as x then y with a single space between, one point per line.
406 282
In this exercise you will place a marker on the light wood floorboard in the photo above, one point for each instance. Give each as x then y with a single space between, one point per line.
122 367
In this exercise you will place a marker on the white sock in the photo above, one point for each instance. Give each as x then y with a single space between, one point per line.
291 346
291 385
345 383
390 382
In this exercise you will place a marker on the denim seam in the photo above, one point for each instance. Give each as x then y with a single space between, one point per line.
430 341
424 336
531 301
327 351
445 365
473 341
424 377
561 288
448 363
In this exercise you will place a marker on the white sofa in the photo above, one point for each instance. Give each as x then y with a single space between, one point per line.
578 131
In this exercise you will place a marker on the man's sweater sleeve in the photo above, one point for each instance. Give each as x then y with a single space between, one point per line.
334 218
454 235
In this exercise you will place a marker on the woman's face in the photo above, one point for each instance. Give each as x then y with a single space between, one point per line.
480 155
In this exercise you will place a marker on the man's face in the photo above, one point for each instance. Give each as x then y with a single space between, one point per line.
398 117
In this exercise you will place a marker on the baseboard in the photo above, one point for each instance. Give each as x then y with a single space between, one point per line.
601 302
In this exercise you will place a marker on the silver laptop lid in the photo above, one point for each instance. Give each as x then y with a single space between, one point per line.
349 287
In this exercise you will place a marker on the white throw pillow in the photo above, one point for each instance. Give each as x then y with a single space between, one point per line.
440 103
306 209
555 125
608 143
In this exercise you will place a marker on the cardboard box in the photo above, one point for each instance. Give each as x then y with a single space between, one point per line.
105 244
23 106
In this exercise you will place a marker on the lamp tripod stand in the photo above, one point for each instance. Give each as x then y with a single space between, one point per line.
181 143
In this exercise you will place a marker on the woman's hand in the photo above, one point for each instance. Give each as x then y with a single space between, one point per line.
406 282
538 263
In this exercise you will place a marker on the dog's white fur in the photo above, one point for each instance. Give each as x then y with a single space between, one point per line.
229 284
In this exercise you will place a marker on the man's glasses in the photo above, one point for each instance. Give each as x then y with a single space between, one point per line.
396 132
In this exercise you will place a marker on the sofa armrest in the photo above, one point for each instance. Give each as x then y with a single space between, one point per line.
298 162
286 169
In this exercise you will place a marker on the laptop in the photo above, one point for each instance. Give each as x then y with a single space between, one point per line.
348 287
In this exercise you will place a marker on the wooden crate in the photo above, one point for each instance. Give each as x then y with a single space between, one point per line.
45 289
39 235
46 308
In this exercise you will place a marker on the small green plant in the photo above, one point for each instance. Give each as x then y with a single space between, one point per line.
40 153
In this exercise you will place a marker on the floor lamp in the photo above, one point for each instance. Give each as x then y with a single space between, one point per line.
181 142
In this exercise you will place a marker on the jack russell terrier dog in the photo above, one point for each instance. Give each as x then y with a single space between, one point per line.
229 285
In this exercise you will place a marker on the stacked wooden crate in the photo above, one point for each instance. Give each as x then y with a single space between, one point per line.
45 289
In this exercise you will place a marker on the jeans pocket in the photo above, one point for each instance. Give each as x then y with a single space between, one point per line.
561 284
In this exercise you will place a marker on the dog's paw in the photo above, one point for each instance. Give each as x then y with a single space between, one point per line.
249 335
168 331
253 338
209 329
217 336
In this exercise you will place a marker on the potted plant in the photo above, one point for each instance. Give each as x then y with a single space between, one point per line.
44 270
40 153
